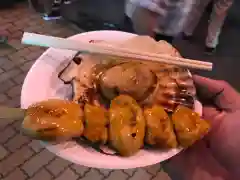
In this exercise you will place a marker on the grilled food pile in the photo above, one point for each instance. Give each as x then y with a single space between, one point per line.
122 103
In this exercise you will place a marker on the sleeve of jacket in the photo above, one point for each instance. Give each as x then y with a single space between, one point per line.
176 16
153 5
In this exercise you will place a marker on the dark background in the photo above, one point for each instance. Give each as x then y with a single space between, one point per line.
226 60
92 14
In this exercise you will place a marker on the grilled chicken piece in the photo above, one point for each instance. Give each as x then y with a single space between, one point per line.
147 82
53 119
96 123
132 78
188 125
159 131
127 125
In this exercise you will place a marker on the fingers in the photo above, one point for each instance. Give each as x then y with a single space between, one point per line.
222 94
224 142
215 118
211 113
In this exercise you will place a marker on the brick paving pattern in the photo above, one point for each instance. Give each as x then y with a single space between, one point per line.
20 157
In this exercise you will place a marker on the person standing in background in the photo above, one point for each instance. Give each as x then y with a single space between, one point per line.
218 15
129 9
160 19
3 39
52 9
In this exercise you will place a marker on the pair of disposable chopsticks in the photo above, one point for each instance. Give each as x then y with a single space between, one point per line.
61 43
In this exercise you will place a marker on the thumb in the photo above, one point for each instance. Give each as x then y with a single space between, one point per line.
222 94
214 117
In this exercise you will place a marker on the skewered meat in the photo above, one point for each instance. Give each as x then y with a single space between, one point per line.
127 125
96 123
132 78
159 128
53 119
138 96
98 76
188 125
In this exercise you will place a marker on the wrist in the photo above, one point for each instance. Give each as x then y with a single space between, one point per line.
195 163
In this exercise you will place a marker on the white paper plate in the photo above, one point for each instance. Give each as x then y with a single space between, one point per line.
42 83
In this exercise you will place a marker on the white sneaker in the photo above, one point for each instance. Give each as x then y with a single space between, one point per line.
67 2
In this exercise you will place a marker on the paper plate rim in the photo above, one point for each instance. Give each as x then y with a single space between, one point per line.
60 151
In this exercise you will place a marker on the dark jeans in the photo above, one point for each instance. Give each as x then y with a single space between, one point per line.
128 25
159 37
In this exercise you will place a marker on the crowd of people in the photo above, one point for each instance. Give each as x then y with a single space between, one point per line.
166 19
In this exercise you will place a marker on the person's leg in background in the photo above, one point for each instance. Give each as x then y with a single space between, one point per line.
218 15
144 21
161 21
194 17
128 25
161 36
52 9
3 39
173 23
129 9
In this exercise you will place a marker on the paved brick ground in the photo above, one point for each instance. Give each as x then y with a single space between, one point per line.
20 157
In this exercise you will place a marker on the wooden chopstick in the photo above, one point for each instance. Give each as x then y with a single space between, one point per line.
61 43
147 55
160 58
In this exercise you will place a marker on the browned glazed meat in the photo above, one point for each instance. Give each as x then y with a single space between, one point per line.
147 82
174 87
96 122
159 128
189 127
53 119
127 125
132 78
